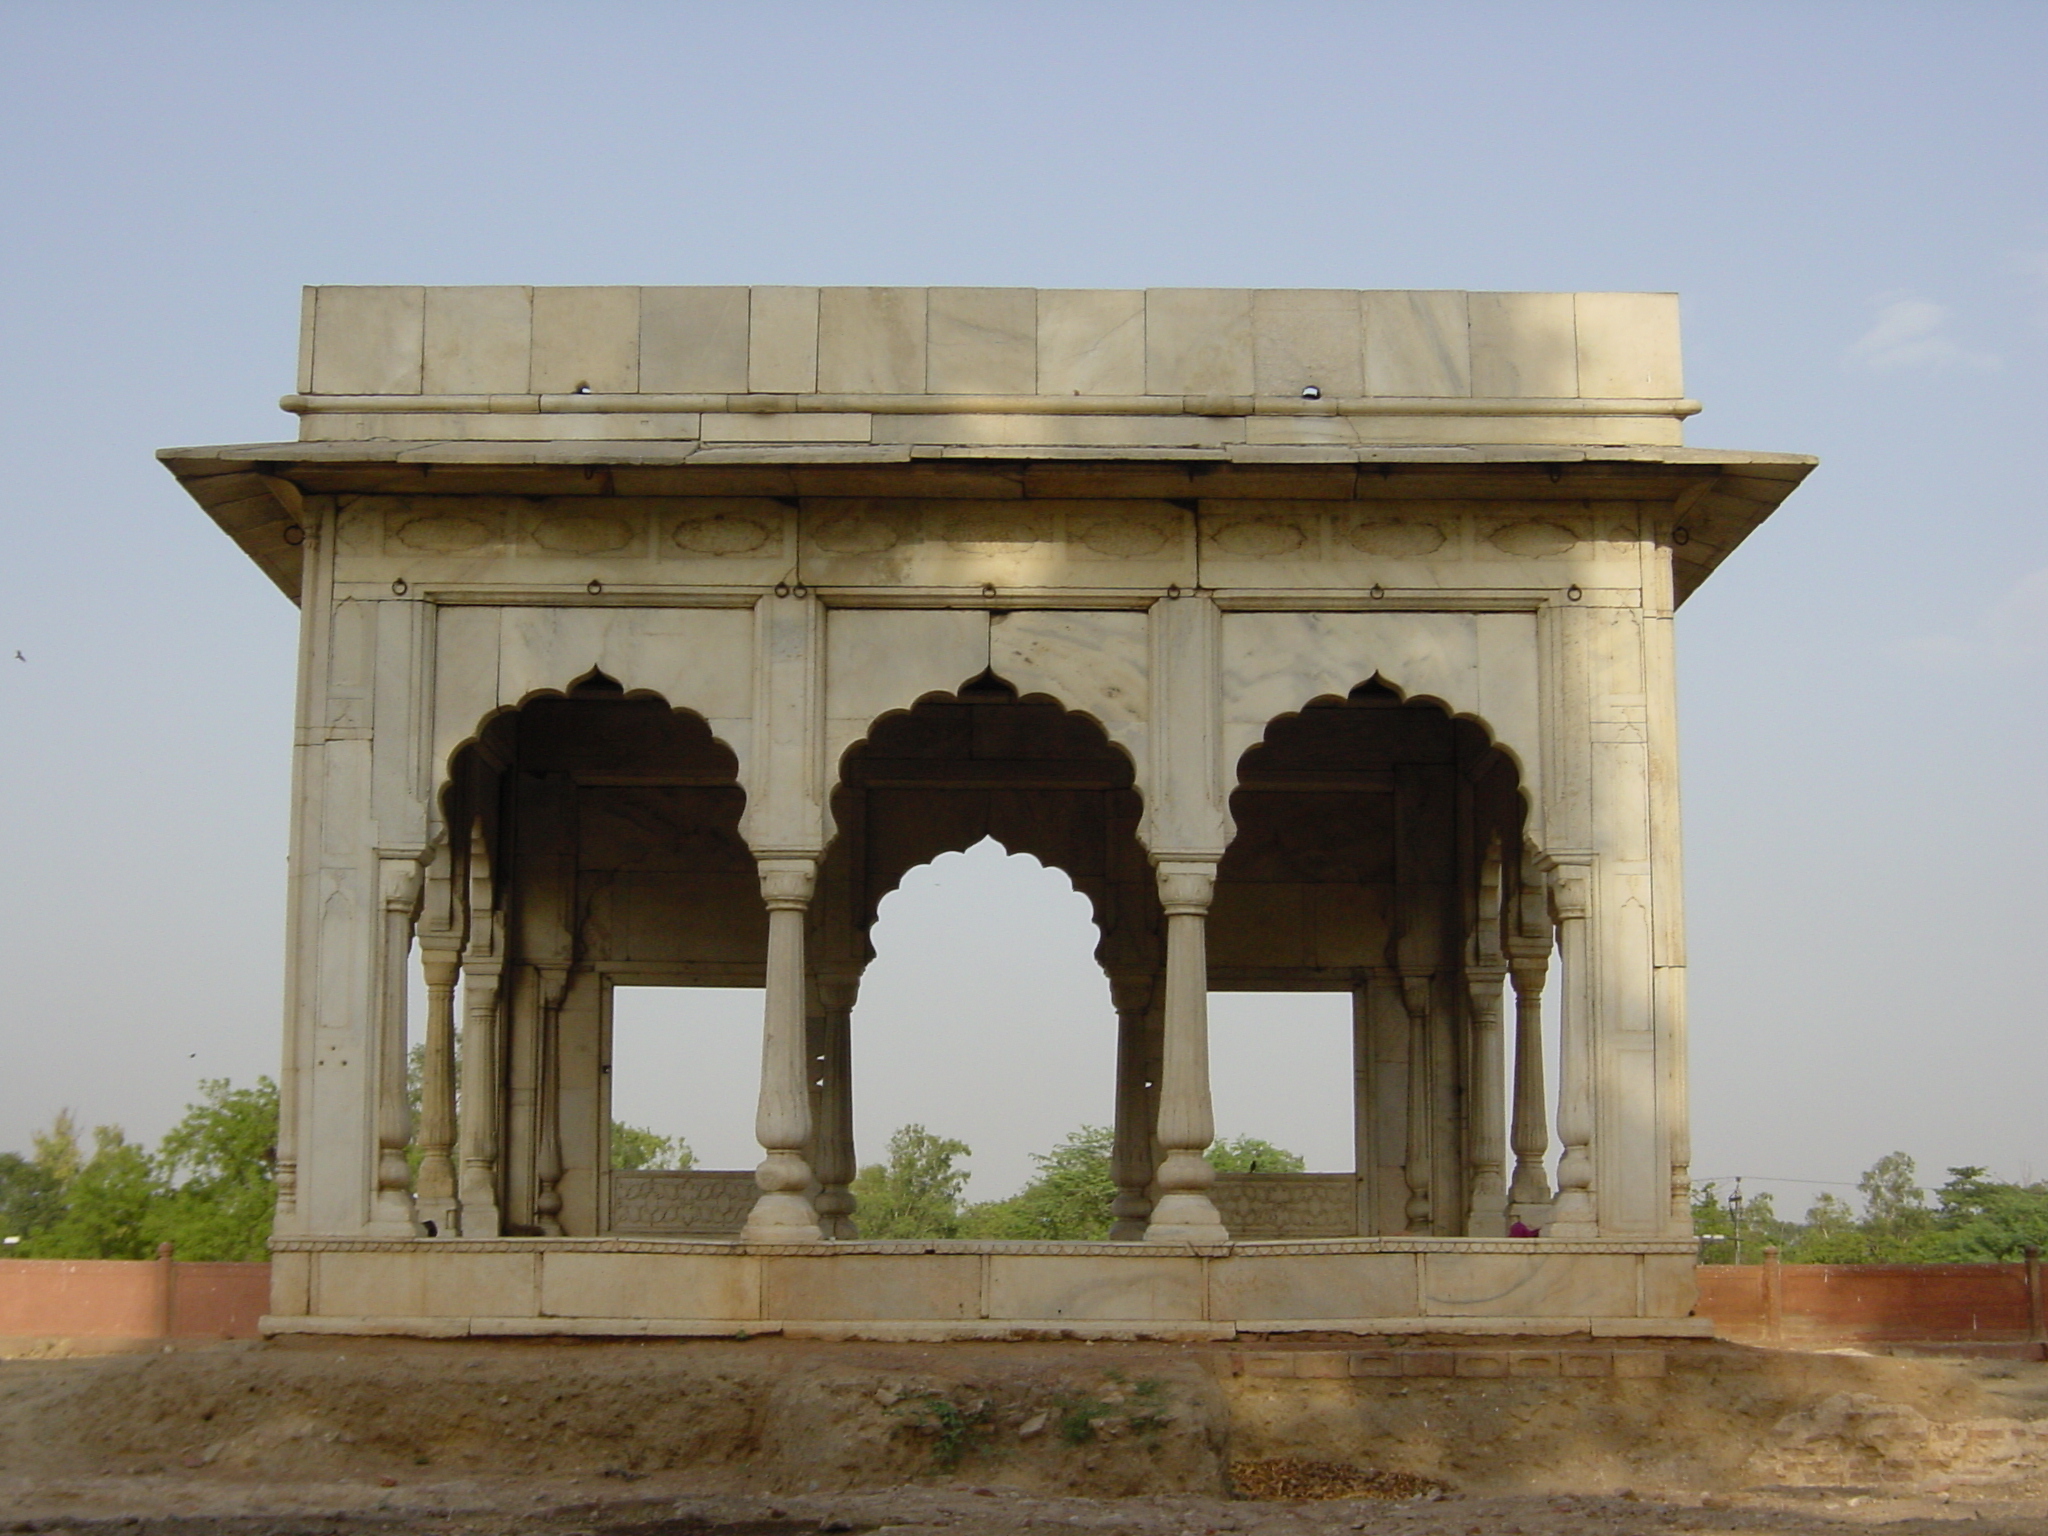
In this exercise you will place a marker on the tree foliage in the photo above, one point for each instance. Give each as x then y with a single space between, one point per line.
1250 1154
1974 1219
634 1146
1067 1201
916 1191
207 1189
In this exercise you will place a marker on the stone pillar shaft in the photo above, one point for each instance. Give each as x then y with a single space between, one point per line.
547 1141
1575 1212
481 1099
1529 1189
782 1121
1131 1161
1415 990
391 1209
1486 1214
1187 1124
834 1162
434 1185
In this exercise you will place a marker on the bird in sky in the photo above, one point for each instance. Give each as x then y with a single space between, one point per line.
19 657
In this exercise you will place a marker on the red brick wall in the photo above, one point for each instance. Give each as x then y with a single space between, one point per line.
1870 1301
125 1299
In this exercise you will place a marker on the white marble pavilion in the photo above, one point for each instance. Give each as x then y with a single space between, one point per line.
650 636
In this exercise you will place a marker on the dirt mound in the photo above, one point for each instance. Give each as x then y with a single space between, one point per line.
775 1416
762 1415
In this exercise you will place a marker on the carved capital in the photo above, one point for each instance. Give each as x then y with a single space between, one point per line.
838 993
1186 885
788 883
1571 887
1130 993
1415 994
399 881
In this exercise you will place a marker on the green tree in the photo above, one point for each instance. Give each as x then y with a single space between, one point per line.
107 1205
1249 1154
1894 1205
217 1169
1068 1201
1736 1231
1978 1219
634 1146
916 1191
58 1152
31 1199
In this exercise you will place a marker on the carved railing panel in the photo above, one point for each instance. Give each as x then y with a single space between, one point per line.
1260 1207
689 1202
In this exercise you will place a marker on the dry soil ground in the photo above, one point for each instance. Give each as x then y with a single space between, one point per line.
369 1437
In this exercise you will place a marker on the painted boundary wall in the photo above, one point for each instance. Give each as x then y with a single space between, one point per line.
1873 1303
131 1299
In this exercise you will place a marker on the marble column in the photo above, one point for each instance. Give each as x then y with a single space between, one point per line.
1529 1127
1187 1123
1486 1211
832 1139
1575 1212
1131 1161
1415 999
547 1140
483 965
482 1099
391 1208
782 1122
434 1185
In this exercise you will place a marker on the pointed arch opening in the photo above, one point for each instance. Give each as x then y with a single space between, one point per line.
1368 867
596 868
1029 982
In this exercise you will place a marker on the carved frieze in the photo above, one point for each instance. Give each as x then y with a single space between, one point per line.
722 533
582 535
1397 540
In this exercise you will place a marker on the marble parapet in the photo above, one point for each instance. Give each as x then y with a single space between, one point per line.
1161 367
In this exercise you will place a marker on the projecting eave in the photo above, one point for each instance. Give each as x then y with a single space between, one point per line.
255 491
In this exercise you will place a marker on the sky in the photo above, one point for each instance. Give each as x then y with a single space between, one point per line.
1848 197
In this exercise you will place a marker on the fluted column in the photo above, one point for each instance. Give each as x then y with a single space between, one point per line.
1486 1212
1575 1212
833 1158
782 1122
1131 1161
1187 1122
1415 1165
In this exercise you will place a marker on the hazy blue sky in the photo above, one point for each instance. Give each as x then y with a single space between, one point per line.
1850 198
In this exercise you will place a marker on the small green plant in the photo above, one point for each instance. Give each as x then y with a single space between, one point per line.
1141 1406
954 1430
1151 1406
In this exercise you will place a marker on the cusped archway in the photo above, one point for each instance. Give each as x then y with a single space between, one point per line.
1376 855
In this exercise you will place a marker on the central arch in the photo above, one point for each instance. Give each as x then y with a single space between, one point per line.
984 762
